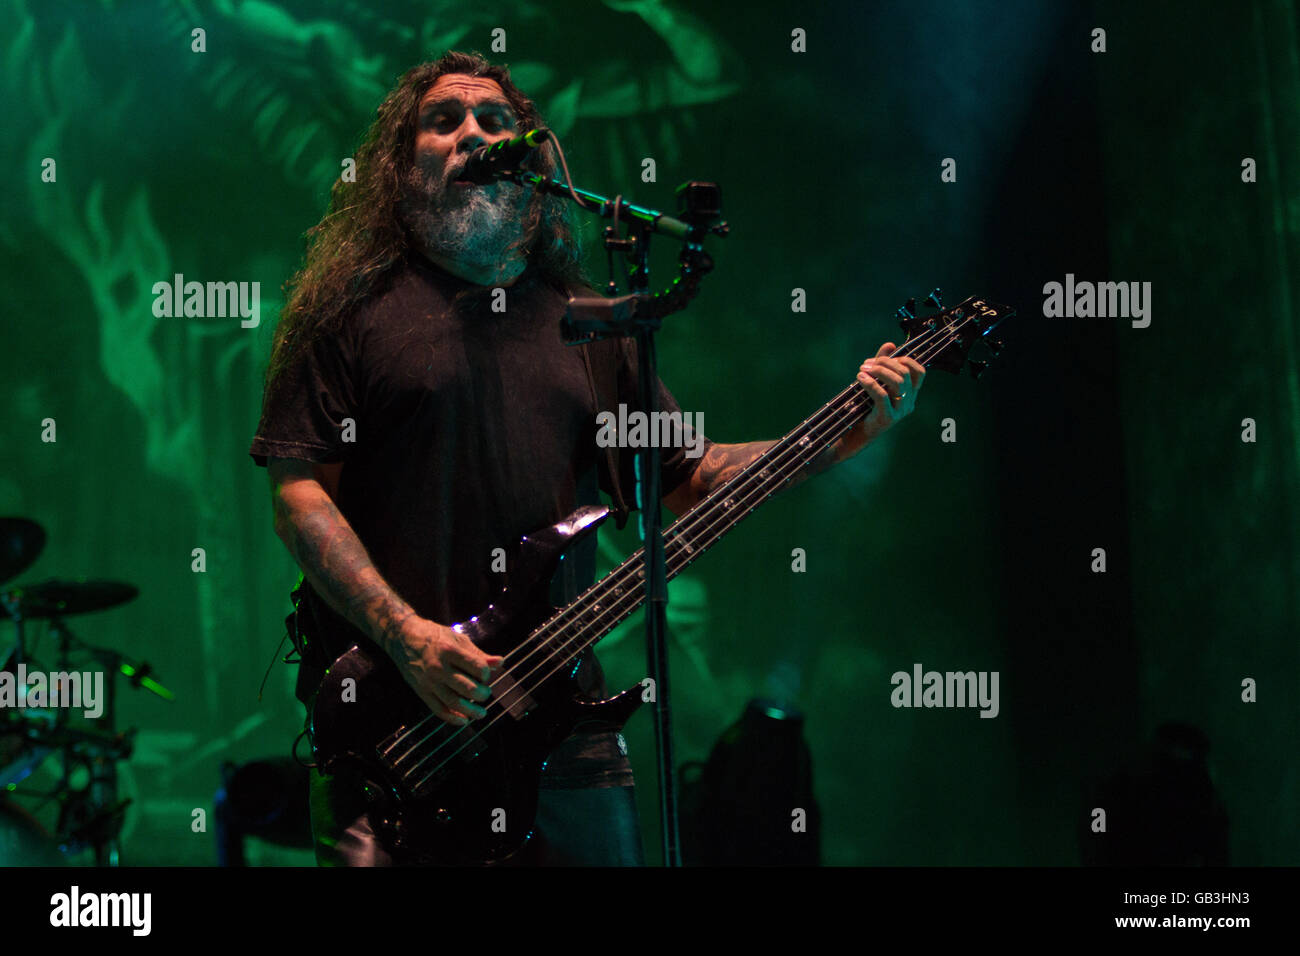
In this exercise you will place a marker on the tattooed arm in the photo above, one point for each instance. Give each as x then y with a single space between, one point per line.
721 463
444 667
331 556
892 382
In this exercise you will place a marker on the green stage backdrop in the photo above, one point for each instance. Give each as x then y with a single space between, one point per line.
1107 520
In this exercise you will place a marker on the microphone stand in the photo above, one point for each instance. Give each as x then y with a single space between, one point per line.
638 315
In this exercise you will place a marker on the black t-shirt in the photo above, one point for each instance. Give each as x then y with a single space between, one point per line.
460 429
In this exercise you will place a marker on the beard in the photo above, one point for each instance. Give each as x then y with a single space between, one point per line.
463 223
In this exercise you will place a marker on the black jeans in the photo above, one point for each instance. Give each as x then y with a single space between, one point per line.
589 819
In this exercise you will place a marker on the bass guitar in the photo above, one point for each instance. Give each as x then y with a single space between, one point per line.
468 795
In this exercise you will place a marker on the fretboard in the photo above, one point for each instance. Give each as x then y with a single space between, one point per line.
616 596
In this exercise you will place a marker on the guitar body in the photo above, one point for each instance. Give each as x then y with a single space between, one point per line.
465 795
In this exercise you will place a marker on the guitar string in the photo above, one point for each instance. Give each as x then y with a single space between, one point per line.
628 571
623 576
830 408
622 606
617 607
817 421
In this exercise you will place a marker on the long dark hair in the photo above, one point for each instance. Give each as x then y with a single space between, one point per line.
361 242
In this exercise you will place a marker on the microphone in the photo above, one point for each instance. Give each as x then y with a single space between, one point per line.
487 163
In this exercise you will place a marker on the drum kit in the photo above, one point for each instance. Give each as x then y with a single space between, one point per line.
37 709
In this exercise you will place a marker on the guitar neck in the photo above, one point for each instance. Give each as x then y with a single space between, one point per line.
617 595
942 340
725 507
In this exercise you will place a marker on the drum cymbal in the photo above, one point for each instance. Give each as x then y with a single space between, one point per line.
21 541
60 598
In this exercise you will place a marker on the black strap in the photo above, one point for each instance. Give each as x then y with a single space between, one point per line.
621 509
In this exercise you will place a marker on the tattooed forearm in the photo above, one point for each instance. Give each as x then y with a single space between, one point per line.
336 564
721 463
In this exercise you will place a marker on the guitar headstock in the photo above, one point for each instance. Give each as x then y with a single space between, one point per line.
943 339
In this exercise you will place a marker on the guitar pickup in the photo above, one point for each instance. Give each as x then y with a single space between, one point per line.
508 694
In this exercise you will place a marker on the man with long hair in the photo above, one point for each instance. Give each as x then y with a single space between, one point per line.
411 432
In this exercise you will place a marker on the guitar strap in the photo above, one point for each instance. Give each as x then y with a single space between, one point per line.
611 463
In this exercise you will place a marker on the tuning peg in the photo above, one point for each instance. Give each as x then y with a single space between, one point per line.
933 299
906 311
977 369
996 346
